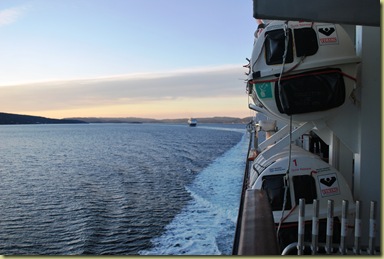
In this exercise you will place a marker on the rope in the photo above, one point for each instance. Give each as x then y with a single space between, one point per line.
286 177
302 75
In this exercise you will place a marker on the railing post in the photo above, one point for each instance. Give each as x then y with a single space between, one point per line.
344 226
315 226
372 228
301 227
328 243
356 248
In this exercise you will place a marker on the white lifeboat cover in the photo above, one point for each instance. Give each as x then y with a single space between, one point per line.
308 47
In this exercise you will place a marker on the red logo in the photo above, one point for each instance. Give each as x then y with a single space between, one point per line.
330 191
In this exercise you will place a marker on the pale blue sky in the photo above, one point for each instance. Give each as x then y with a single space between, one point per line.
64 41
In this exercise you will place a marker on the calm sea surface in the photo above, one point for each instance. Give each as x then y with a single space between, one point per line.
119 189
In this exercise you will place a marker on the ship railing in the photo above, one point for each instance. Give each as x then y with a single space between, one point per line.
329 247
235 247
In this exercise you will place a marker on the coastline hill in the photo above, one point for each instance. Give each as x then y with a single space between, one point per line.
11 119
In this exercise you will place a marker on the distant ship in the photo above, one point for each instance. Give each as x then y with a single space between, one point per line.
192 122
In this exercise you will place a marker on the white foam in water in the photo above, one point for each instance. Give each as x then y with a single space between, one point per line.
206 226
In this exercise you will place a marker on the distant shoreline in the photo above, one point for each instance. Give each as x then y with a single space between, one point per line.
220 120
19 119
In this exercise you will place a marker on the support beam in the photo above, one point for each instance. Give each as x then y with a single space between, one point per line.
304 128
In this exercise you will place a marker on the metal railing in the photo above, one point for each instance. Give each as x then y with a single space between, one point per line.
329 247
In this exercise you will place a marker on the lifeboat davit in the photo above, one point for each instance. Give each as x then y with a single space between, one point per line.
304 69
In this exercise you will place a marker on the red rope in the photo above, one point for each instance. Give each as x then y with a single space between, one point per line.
289 213
302 75
288 225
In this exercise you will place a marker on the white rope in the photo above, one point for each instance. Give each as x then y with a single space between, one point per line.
286 177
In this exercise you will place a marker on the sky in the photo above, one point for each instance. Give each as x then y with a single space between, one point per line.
125 58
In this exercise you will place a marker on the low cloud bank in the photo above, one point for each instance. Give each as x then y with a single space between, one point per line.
224 81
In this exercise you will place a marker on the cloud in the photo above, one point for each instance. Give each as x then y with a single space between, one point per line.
216 82
11 15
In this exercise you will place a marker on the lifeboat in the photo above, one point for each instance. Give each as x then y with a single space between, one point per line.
305 176
308 177
304 69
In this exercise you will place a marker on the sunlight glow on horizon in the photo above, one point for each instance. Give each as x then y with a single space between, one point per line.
199 92
174 109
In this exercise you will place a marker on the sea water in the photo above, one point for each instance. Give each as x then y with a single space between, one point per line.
206 225
120 189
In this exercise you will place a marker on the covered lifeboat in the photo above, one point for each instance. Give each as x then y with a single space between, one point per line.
306 176
303 69
294 174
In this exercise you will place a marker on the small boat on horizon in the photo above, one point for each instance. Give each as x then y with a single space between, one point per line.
192 122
